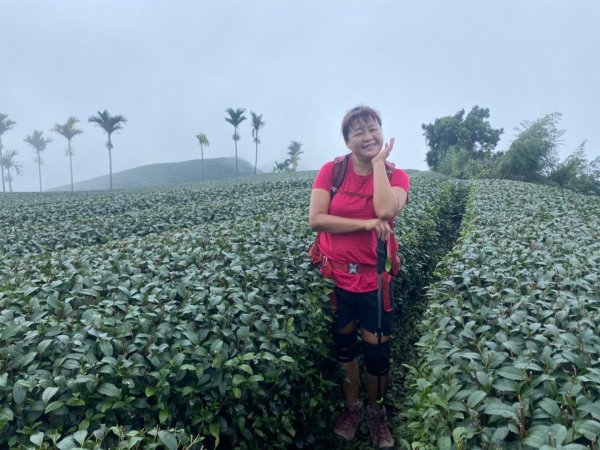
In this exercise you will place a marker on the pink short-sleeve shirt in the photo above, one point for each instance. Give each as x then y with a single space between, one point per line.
354 199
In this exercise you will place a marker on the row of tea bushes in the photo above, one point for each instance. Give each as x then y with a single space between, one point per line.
34 223
209 329
427 228
510 353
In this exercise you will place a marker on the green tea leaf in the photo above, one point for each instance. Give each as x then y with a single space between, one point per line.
246 368
163 415
238 379
80 436
106 348
19 392
6 414
216 345
559 432
475 398
49 393
592 408
551 407
511 373
53 406
444 443
589 428
168 440
109 389
502 410
37 439
67 444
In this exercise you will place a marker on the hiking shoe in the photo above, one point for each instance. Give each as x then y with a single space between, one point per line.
385 437
346 425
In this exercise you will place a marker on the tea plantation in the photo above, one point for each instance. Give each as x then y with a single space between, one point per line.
190 317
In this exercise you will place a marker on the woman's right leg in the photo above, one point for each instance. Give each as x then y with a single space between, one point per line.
351 380
345 343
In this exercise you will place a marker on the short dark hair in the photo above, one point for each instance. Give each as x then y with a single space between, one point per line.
358 114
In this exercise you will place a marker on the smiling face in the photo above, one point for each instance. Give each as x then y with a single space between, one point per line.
365 138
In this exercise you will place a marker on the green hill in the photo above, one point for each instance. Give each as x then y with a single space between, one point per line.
166 174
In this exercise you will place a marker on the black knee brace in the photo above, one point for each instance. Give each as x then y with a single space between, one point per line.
377 363
345 346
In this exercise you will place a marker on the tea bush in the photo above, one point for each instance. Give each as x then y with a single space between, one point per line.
509 357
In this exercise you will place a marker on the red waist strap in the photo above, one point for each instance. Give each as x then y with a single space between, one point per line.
352 268
386 278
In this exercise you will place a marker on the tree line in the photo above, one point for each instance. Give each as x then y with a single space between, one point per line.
9 165
235 117
463 146
37 140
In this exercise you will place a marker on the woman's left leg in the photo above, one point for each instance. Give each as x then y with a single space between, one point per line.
377 362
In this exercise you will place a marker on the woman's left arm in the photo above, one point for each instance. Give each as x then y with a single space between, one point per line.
387 200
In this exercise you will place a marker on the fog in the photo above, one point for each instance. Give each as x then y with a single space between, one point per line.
172 68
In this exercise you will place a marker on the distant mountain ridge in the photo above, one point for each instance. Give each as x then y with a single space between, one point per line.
166 174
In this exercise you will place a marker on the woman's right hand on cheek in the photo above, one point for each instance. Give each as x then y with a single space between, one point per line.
381 227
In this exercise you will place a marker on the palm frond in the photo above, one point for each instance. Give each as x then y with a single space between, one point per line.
108 123
295 147
8 161
257 124
236 117
38 141
67 130
5 123
202 139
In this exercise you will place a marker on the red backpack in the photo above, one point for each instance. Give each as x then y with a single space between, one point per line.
340 168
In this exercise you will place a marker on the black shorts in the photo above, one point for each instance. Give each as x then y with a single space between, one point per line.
362 306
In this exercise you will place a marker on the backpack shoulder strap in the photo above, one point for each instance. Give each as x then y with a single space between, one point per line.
340 167
389 169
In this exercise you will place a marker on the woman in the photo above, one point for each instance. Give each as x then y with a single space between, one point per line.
350 223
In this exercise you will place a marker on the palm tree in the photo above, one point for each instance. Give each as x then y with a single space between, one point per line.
202 140
39 143
281 167
110 124
2 167
69 131
235 118
295 152
5 125
257 124
7 161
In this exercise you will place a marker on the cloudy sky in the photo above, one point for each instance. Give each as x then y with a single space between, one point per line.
173 67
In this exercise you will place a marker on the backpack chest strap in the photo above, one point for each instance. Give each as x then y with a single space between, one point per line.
356 194
351 268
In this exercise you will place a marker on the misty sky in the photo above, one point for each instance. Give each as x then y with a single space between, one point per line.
173 67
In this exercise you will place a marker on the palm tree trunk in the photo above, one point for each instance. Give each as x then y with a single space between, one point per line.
256 154
236 164
2 167
110 161
202 155
110 167
40 170
9 179
71 165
